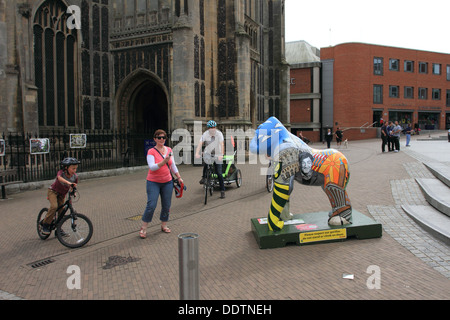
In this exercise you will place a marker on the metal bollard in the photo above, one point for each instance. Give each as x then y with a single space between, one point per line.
188 265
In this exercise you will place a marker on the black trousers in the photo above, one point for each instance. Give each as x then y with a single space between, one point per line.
384 141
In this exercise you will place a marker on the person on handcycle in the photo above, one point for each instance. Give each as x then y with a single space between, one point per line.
66 178
214 147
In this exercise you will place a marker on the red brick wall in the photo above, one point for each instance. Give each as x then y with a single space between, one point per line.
302 80
300 111
354 80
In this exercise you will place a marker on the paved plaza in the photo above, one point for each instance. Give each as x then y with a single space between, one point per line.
117 265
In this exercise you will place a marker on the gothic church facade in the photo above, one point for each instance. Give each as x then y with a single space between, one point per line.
140 65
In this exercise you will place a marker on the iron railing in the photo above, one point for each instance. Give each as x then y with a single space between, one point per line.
102 150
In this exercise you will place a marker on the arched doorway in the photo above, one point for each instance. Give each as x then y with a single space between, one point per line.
143 107
148 109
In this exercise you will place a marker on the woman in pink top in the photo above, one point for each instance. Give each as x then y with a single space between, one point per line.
159 182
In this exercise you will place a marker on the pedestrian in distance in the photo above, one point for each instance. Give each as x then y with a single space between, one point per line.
339 134
408 131
390 140
328 138
162 167
395 134
384 137
214 149
66 179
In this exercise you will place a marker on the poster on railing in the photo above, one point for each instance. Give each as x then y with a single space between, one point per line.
78 141
39 146
2 147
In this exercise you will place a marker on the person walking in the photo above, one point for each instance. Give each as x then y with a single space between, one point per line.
339 135
384 137
159 182
328 138
390 140
408 131
395 134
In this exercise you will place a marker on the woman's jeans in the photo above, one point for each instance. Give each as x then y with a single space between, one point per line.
154 189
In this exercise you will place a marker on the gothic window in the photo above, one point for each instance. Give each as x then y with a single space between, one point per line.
105 28
97 114
97 75
197 99
202 59
87 113
196 58
222 19
105 75
202 17
85 24
54 60
96 27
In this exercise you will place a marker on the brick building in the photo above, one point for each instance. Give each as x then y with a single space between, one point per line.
305 96
363 83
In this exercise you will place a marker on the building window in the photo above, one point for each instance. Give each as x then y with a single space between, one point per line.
409 66
447 99
423 67
55 49
409 92
378 66
423 93
436 68
377 94
394 64
436 94
448 72
394 91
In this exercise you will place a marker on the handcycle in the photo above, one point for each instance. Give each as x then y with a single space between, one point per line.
269 177
230 175
73 230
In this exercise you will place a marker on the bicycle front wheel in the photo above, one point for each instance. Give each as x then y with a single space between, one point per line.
74 232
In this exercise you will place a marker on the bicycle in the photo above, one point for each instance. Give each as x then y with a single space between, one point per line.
208 186
269 178
73 230
231 174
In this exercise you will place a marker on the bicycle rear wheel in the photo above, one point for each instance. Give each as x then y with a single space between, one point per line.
269 183
74 233
40 219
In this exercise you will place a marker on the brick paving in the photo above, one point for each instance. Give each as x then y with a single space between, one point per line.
413 264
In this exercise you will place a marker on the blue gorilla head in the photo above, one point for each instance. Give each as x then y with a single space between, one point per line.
272 136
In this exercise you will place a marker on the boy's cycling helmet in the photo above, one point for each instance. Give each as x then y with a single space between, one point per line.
69 161
211 124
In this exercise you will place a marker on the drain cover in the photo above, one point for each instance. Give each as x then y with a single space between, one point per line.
40 263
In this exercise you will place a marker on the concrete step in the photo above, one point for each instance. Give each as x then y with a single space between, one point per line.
436 193
430 219
439 170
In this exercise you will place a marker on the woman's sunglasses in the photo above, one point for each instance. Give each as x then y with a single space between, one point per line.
159 138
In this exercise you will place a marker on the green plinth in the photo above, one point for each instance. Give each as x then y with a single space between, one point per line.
313 228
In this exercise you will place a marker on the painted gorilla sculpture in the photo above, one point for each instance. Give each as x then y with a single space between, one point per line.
294 159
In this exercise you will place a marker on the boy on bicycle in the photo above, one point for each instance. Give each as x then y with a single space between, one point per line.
66 178
214 142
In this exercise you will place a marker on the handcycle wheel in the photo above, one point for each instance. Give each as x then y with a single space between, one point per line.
269 183
40 219
74 233
238 178
205 186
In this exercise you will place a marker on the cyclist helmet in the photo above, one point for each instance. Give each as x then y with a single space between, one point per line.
69 161
211 124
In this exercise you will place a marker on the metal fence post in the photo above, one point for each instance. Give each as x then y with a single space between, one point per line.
188 266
